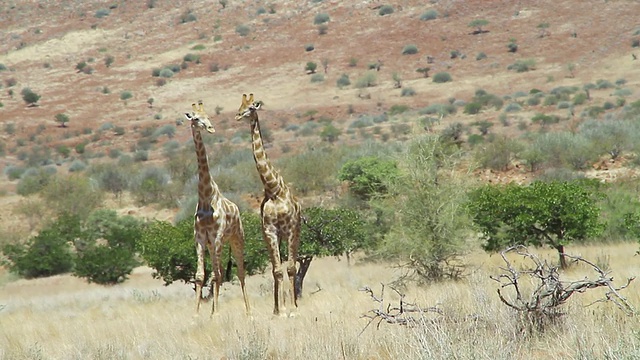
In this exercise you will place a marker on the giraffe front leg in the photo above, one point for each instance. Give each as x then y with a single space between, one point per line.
200 249
237 247
293 242
216 266
271 240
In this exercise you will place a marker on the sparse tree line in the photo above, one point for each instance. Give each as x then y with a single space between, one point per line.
411 205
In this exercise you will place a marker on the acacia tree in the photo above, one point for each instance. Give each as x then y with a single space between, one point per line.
427 204
368 176
542 213
328 232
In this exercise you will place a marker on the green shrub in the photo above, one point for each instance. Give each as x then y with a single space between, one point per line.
192 58
343 81
398 109
34 180
385 10
522 65
311 67
100 13
498 154
77 165
369 79
316 78
321 18
368 176
30 97
564 105
243 30
429 15
407 91
550 100
579 98
410 50
442 77
14 172
47 253
472 108
125 95
309 47
603 84
481 56
513 107
187 16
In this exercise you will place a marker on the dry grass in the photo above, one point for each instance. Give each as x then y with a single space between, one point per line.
64 318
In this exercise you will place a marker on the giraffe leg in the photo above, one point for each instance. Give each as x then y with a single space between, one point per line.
237 246
215 250
293 242
271 239
200 250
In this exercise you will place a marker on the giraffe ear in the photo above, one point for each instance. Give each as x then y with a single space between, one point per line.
250 102
244 100
200 106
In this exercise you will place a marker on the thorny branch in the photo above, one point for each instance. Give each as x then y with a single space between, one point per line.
550 292
394 315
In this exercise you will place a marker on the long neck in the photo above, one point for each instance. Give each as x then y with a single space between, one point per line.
207 189
272 181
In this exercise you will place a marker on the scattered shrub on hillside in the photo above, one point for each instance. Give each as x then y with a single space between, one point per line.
243 30
321 18
30 97
343 81
100 13
522 65
187 16
316 78
410 50
472 108
385 10
603 84
481 56
125 95
513 107
192 58
407 91
429 15
498 154
369 79
442 77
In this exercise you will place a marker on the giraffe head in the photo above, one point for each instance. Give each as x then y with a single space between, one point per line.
248 108
199 118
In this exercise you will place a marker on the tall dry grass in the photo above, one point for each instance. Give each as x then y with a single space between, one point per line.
64 318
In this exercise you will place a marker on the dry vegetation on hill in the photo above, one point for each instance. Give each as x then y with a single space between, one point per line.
539 76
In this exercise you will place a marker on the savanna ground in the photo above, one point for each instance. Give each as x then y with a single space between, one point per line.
65 318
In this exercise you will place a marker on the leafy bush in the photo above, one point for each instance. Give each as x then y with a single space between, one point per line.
125 95
472 108
30 97
311 67
113 261
368 176
77 165
369 79
513 107
522 65
243 30
579 98
343 81
385 10
316 78
429 15
481 56
442 77
410 50
192 58
62 119
47 253
100 13
398 109
603 84
407 91
149 186
321 18
34 180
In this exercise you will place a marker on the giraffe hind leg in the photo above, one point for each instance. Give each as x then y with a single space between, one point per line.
237 247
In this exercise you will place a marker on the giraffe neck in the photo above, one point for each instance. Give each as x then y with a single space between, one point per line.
207 189
272 181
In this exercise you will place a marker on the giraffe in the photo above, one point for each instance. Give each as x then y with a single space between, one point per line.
217 219
279 210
